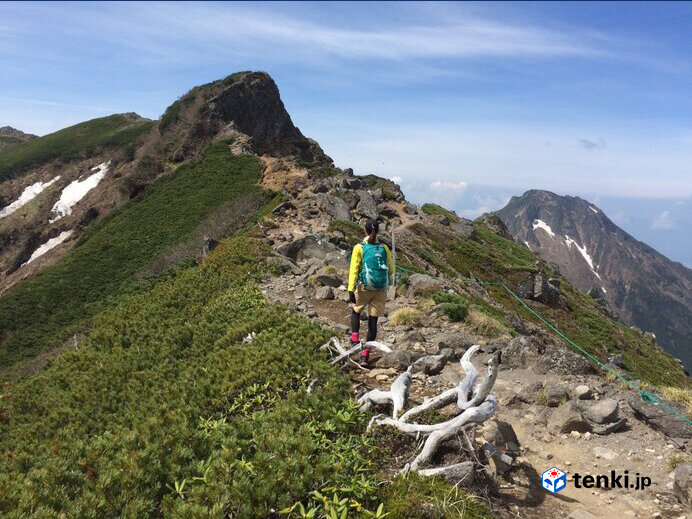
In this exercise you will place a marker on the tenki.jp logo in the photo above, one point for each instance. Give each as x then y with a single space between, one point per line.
555 480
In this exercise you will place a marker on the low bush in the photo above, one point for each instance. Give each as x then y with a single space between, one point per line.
407 316
453 306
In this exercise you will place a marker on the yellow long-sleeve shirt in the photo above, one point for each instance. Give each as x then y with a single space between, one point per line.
357 263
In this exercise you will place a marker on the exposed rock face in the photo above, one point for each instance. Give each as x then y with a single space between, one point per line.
643 287
541 288
496 224
660 418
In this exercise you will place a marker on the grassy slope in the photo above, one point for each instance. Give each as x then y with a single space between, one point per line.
491 257
164 410
80 140
41 310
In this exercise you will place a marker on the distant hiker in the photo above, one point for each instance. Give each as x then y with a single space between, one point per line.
371 267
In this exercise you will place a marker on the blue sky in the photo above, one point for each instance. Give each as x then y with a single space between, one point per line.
467 104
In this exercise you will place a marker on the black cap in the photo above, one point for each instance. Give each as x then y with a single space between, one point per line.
372 226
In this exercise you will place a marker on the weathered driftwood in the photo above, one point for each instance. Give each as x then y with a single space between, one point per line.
477 405
453 394
397 395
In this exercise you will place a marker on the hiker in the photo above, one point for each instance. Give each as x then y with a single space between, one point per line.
371 266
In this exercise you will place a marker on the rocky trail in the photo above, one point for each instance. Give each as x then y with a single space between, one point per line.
554 409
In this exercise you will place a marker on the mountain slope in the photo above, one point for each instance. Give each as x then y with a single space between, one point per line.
171 384
644 287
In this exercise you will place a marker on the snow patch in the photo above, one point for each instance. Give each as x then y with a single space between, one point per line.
569 241
50 244
593 209
76 190
540 224
27 196
604 290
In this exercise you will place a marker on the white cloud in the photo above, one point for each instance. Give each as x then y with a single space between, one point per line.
459 186
663 221
396 180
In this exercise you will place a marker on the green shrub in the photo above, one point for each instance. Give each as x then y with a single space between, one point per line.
166 409
46 308
453 306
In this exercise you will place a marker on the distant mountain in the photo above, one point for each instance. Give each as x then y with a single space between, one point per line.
11 137
644 288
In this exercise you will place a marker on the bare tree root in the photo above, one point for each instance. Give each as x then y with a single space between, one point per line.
397 395
474 401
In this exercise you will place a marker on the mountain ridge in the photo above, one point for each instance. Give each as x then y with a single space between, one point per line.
643 286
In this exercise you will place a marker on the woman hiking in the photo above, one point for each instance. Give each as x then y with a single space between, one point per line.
369 277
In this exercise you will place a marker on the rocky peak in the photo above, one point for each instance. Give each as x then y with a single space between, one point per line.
643 287
245 107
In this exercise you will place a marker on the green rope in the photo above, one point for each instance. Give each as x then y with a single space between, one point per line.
645 395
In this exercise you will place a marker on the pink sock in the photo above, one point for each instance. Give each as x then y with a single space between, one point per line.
354 336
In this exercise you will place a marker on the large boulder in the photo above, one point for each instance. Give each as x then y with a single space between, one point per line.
540 288
682 484
398 359
463 229
335 207
422 284
660 418
458 342
568 418
431 364
308 247
544 357
367 206
324 293
603 411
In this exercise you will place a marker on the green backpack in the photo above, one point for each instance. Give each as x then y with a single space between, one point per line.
374 272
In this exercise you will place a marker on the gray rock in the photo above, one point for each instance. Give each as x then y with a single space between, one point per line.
463 229
307 248
388 212
583 392
410 209
528 393
335 207
422 284
581 514
500 434
555 395
351 183
330 280
661 418
376 194
431 364
537 287
414 337
568 418
682 484
282 264
397 359
458 342
324 293
496 224
604 411
367 206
